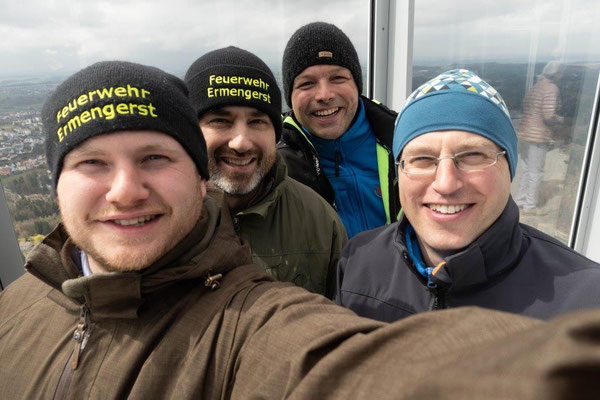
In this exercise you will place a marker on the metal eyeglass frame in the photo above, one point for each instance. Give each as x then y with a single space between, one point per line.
453 158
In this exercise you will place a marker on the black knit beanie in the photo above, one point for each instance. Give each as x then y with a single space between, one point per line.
113 96
234 77
315 44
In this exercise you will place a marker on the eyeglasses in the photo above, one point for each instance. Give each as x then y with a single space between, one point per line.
469 161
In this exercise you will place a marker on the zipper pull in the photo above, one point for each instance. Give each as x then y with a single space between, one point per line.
337 163
430 283
79 335
212 281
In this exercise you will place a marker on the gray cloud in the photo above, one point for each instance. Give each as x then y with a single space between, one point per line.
65 36
509 29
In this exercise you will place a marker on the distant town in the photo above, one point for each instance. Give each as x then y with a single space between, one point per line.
23 170
28 187
20 132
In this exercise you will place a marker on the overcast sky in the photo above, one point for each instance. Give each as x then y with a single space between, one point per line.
41 36
68 35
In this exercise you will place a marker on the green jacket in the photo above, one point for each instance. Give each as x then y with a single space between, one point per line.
294 234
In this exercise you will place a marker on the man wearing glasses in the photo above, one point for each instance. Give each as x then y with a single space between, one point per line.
459 241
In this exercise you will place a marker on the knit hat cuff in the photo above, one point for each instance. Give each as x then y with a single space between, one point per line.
463 111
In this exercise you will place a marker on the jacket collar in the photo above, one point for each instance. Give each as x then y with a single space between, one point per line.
495 252
211 247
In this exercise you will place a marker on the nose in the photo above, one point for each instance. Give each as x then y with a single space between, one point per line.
240 141
324 92
448 178
127 187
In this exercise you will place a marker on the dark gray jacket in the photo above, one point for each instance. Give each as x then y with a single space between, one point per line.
510 267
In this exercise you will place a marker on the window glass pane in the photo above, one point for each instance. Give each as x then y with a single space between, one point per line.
543 57
44 42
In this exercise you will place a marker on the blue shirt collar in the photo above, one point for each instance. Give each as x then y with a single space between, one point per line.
414 252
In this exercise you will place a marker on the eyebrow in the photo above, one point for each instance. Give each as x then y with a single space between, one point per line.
471 144
86 150
221 112
314 75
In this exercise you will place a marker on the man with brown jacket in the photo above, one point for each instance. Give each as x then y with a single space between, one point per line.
144 290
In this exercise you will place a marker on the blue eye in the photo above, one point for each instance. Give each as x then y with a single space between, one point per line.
155 157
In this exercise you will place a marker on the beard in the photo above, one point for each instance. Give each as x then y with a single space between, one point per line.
240 184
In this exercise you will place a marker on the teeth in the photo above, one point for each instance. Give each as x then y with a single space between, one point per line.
447 209
237 161
134 221
325 113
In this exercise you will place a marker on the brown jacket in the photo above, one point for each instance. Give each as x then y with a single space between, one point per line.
144 337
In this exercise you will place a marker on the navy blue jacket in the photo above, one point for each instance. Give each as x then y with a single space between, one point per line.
510 267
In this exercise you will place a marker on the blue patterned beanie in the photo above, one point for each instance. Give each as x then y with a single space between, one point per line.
457 100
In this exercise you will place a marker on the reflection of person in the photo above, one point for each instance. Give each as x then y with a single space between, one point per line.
539 121
144 290
292 231
460 241
335 140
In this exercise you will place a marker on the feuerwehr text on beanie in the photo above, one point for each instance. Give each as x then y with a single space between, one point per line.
457 100
315 44
114 96
234 77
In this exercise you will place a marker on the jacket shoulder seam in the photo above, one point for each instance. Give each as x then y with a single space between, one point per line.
379 300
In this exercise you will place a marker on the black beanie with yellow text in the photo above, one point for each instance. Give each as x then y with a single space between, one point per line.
234 77
114 96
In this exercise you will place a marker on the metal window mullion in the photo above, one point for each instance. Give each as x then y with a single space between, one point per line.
11 266
390 52
587 204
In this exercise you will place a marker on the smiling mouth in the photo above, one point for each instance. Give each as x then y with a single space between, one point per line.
139 221
238 162
447 208
327 113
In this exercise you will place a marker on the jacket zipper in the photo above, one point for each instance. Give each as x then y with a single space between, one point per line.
439 298
337 163
439 294
80 336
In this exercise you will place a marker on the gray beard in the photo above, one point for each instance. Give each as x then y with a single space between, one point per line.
236 188
237 185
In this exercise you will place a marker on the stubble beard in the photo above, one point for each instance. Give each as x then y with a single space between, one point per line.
126 261
240 184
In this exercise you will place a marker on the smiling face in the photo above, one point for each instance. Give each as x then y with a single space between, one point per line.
241 147
128 197
325 100
451 208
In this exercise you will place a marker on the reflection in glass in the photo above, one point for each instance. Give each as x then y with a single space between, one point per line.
509 45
